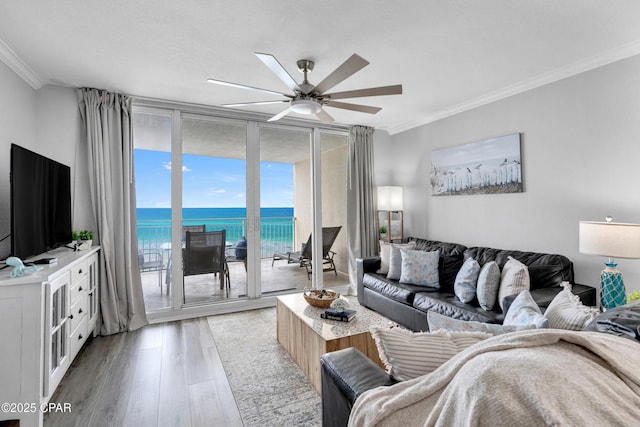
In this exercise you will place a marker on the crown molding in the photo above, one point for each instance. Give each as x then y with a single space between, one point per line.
588 64
13 61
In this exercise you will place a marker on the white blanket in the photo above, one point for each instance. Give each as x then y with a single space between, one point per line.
527 378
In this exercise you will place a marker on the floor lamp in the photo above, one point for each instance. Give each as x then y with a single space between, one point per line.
613 240
390 206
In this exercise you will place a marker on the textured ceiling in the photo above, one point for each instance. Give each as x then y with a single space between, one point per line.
450 55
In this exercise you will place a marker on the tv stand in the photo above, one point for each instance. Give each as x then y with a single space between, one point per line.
45 318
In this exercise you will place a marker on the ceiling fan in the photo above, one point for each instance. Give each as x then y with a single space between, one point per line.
310 99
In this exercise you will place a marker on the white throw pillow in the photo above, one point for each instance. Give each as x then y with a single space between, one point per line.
408 355
566 311
514 279
420 268
385 254
466 280
524 311
488 285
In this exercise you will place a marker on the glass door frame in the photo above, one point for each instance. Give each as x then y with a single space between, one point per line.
253 123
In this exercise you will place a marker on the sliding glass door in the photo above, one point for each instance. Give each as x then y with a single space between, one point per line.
262 185
285 207
214 199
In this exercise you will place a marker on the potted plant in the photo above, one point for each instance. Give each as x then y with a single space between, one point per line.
383 231
83 238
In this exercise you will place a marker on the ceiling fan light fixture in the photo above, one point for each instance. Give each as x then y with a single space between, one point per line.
305 106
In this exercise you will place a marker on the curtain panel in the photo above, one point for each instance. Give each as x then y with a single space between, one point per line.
107 126
362 223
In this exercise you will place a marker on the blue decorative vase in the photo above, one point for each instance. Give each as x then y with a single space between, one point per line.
612 292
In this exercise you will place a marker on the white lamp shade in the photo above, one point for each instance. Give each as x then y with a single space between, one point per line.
610 239
389 198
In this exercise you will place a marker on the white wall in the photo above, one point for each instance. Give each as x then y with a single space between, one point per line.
17 125
46 121
580 153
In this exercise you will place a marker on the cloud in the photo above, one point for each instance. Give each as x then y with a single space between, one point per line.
167 166
239 196
213 190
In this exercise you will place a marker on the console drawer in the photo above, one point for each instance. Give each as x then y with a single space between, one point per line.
78 311
81 287
78 337
79 271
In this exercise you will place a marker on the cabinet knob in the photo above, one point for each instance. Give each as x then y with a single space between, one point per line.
80 311
80 271
71 316
79 337
80 288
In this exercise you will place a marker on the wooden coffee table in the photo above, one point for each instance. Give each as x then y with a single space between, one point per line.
306 336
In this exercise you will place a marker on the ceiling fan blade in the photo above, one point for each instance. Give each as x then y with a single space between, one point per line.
280 115
324 116
349 67
352 107
223 83
358 93
244 104
273 64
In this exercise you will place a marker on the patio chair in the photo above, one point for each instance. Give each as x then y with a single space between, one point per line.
185 228
151 260
303 257
204 253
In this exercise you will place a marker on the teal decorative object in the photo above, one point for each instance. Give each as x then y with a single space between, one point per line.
19 268
613 240
612 293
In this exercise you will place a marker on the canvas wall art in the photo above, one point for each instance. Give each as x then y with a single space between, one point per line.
490 166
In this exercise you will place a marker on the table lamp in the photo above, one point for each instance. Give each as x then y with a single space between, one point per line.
613 240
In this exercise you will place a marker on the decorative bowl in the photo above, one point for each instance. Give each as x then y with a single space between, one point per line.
320 298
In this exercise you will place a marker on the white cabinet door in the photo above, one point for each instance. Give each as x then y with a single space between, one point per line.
57 324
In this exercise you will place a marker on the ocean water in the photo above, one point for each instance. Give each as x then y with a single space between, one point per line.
276 225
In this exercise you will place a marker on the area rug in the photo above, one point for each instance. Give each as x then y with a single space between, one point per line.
268 386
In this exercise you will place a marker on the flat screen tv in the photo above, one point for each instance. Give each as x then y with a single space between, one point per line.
40 203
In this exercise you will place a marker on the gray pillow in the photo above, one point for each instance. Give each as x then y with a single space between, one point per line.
466 280
488 285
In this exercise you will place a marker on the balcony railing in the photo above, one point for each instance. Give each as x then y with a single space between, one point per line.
276 233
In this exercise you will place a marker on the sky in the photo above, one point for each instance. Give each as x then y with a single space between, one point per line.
208 182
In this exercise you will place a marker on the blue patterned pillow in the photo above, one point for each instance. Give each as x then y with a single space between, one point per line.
466 280
488 285
525 312
420 268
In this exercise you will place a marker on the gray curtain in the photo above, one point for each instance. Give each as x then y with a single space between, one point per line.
362 221
107 129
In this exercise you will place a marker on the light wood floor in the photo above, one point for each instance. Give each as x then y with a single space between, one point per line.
166 374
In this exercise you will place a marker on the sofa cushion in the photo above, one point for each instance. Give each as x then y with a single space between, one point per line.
545 270
566 311
467 280
488 285
385 254
420 268
400 292
408 355
451 259
448 304
525 312
514 279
